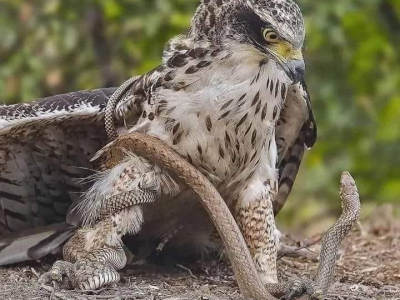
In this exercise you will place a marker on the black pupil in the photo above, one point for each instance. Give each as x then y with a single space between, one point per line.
273 36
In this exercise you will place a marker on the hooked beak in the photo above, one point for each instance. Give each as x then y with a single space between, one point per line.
295 69
291 61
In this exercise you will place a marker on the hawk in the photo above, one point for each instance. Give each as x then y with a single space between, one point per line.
229 96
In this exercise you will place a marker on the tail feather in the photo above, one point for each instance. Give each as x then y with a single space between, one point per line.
33 244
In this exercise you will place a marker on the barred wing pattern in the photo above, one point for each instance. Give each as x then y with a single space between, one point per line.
296 131
45 149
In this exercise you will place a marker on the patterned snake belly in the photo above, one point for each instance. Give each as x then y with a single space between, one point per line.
247 277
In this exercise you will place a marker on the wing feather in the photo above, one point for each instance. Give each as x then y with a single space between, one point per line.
296 131
45 148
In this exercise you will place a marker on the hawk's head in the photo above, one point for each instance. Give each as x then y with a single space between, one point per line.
267 29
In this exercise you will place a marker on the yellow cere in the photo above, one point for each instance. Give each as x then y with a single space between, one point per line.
285 51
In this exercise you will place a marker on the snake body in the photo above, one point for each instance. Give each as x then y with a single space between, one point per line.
247 277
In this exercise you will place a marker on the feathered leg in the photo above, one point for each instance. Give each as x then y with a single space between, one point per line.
256 220
113 204
94 255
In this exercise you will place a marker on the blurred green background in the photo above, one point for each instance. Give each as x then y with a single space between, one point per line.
353 60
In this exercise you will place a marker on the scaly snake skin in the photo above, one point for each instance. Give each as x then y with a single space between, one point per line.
247 277
112 104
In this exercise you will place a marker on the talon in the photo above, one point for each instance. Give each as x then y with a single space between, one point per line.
90 276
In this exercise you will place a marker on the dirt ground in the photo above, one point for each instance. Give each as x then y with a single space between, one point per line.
368 268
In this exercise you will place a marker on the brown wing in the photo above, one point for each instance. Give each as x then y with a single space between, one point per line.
45 149
296 131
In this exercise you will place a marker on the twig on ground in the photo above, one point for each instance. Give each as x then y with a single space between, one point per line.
187 269
302 251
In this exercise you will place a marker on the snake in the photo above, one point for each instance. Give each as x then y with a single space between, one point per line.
247 277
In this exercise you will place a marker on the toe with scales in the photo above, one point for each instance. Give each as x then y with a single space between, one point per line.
89 265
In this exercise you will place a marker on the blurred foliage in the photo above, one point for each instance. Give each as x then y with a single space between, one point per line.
353 58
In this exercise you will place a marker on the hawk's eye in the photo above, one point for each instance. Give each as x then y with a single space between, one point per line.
271 36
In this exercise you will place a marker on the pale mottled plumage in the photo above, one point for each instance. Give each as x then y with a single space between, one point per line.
216 99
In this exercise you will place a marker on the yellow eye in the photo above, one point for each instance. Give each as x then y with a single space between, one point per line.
271 36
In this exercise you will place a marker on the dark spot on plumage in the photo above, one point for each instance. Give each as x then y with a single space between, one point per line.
178 138
240 104
250 176
283 91
237 146
176 128
219 3
199 149
226 104
283 120
254 137
254 156
275 112
169 76
177 87
200 52
221 152
177 61
151 116
269 145
233 158
189 159
192 70
256 78
216 52
167 85
203 64
277 88
227 138
212 19
159 83
248 129
267 182
242 120
271 87
268 82
246 158
144 114
258 107
256 98
224 115
264 112
209 123
242 98
191 53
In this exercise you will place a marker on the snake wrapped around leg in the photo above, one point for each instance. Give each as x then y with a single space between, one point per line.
247 277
